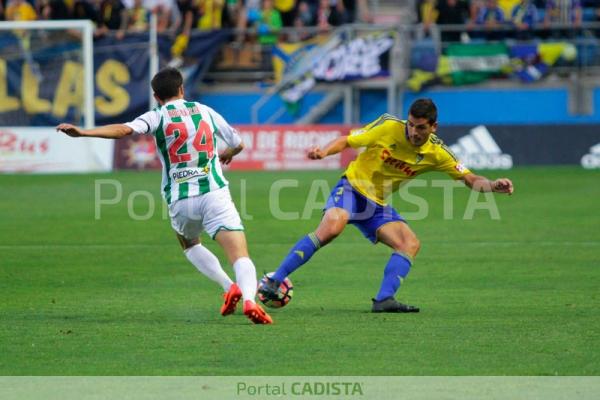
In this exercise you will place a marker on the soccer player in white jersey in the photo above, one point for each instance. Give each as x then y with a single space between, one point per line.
193 184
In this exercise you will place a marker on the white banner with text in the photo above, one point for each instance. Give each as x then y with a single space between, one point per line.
43 150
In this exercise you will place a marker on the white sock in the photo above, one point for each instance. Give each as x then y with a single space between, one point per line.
207 263
245 276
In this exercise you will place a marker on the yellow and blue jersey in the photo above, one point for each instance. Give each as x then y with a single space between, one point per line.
390 160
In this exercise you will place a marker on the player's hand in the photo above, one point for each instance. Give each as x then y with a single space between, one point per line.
316 153
503 185
70 130
226 156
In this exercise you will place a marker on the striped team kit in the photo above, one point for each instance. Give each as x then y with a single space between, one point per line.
187 135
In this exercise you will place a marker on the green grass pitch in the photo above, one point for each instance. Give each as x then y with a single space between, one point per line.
115 296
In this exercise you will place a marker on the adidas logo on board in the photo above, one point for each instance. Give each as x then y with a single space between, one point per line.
479 150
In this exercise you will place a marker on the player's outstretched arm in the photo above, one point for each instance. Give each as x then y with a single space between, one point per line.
114 131
483 184
333 147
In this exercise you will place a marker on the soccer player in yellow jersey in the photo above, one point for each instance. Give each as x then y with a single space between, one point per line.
395 151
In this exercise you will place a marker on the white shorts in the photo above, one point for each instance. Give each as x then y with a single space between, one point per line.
209 212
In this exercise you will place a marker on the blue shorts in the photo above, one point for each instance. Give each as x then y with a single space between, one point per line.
365 214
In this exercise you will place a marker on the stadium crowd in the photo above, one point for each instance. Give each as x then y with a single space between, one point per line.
261 21
271 15
267 17
497 19
134 15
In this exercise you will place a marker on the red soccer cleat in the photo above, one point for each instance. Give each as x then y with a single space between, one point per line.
256 314
233 295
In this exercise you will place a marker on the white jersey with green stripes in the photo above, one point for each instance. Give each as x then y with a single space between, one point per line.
187 135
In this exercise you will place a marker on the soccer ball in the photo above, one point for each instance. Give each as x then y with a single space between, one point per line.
284 294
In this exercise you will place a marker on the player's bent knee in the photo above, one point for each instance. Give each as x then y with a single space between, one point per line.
410 246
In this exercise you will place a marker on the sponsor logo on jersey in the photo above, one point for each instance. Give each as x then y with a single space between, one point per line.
592 159
185 174
479 150
400 165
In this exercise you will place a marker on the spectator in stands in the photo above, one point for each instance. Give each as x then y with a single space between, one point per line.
306 17
188 15
249 13
20 10
354 8
211 14
507 6
138 17
2 15
112 17
563 12
357 11
269 24
475 7
162 10
83 9
264 20
524 17
188 19
328 13
341 12
287 10
491 17
323 13
452 12
427 15
53 9
306 14
231 13
266 29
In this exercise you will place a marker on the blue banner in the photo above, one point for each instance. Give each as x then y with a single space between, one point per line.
41 83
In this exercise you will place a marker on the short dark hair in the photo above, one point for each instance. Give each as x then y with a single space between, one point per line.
424 108
166 83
